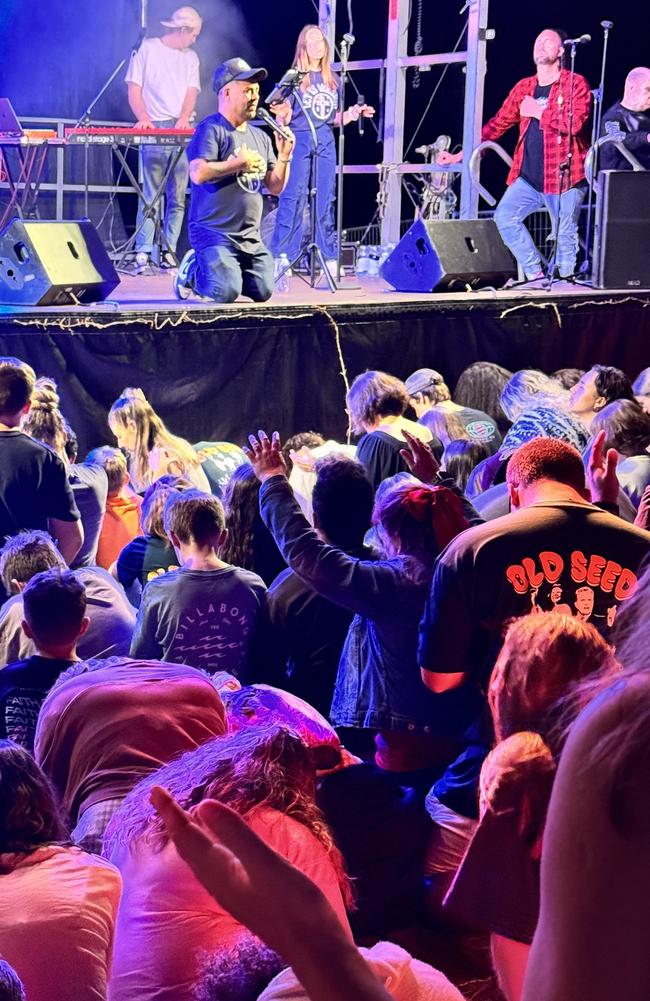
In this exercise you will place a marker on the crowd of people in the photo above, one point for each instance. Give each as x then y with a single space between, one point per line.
267 707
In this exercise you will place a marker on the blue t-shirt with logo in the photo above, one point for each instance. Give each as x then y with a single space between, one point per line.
320 103
228 211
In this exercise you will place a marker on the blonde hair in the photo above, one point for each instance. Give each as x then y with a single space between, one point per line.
44 421
150 433
301 59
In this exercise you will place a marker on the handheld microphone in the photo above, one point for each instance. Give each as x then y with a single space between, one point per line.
360 101
271 122
583 40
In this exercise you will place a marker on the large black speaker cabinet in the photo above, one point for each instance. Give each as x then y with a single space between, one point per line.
53 264
622 254
449 255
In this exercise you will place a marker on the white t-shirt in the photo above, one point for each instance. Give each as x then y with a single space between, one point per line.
165 75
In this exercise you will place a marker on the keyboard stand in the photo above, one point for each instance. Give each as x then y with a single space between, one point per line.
25 185
150 210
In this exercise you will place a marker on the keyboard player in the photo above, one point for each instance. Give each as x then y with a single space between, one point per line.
163 85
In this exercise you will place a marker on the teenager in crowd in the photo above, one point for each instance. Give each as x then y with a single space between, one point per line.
479 387
154 451
248 544
57 904
378 684
319 96
45 422
529 389
601 385
641 388
275 900
104 726
627 429
307 630
568 377
122 516
207 613
54 606
460 458
431 400
151 554
266 774
34 489
532 704
111 617
376 405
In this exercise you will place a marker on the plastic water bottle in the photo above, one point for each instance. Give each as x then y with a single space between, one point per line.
361 264
283 273
373 262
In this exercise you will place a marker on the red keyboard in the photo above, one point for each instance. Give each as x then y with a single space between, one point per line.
108 136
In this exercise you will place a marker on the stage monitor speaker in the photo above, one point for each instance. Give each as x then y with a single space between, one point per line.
622 251
449 254
53 264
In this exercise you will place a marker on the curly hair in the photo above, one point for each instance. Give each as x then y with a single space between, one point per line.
255 767
242 506
30 816
44 420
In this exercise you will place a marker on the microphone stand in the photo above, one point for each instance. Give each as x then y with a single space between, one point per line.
587 264
86 116
565 167
346 43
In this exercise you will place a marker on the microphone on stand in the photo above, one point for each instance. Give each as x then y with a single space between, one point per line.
607 25
360 101
348 39
583 40
272 123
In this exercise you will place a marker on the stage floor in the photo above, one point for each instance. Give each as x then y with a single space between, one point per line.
154 293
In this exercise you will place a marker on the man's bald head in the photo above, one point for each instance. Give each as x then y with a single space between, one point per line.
637 89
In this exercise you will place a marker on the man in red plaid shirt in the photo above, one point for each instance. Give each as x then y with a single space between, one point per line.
539 105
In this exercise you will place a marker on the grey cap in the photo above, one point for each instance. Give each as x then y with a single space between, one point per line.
423 379
236 69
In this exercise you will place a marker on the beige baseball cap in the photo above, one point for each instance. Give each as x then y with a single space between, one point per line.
184 17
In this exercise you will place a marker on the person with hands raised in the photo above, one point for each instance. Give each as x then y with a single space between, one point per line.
230 160
378 685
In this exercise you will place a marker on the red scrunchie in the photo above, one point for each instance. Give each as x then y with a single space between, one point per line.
439 506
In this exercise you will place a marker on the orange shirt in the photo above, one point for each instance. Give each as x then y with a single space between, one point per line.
121 524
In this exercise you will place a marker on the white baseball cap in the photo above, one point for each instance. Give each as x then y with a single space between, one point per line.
184 17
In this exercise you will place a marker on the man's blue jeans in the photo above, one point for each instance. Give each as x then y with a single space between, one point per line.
520 201
154 160
223 273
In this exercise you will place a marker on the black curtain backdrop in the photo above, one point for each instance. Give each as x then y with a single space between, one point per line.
225 376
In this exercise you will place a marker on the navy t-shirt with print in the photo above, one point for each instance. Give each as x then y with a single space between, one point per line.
228 211
204 618
319 102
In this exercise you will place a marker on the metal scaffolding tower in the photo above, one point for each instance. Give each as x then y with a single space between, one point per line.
395 64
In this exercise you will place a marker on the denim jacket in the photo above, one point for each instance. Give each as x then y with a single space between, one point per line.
378 684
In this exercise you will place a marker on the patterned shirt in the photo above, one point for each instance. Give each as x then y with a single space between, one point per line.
554 127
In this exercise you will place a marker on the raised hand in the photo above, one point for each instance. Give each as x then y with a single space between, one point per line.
265 455
419 458
601 472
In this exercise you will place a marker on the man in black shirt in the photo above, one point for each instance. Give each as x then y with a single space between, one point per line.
628 121
54 605
34 488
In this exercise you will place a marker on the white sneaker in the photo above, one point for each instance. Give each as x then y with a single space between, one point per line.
182 287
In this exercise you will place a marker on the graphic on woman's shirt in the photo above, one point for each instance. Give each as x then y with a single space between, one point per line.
320 101
589 587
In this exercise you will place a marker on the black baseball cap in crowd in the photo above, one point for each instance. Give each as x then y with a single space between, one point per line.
235 69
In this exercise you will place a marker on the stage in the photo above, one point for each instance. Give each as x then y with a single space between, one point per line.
216 372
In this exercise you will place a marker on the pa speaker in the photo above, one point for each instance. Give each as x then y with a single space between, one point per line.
450 255
53 264
622 254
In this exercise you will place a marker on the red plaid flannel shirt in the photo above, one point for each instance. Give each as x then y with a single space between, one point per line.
554 127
